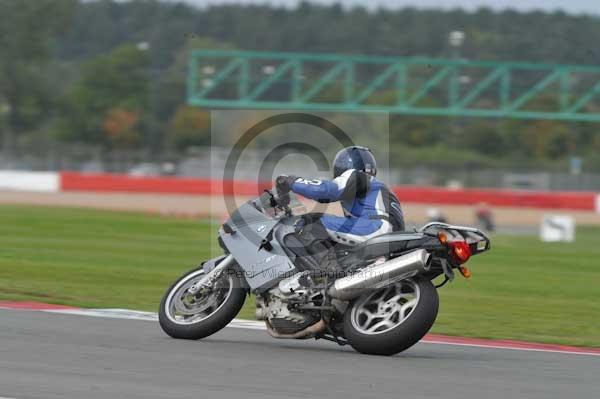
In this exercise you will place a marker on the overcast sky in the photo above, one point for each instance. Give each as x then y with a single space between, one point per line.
570 6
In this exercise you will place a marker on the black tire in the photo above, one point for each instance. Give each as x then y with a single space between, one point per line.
215 321
404 335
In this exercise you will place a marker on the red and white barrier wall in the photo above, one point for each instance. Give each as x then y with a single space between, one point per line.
74 181
30 181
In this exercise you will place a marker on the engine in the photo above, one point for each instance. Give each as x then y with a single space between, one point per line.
287 306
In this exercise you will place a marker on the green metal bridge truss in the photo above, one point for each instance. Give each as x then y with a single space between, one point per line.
408 85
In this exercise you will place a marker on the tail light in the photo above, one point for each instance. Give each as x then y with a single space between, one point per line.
460 250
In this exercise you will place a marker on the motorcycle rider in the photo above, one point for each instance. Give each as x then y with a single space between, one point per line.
370 208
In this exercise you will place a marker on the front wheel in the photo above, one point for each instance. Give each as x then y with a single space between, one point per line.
392 319
191 309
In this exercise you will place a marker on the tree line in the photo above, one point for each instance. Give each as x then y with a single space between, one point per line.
112 74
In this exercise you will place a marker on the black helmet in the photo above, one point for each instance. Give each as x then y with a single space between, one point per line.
355 157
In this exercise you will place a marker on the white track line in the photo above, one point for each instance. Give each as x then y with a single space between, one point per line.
145 316
492 346
256 325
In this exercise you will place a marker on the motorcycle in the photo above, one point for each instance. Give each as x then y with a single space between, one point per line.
377 296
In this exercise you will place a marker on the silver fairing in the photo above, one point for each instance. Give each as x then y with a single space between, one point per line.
262 266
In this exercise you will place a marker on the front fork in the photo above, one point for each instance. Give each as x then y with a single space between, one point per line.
212 275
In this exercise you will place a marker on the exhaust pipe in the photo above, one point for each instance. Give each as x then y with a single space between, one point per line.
381 275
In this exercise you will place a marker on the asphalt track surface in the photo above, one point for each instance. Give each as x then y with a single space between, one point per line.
47 356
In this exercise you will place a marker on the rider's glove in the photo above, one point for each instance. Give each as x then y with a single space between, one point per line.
283 184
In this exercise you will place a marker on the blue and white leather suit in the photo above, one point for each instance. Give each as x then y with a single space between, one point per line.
370 208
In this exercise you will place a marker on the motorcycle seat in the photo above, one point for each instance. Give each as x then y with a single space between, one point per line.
382 245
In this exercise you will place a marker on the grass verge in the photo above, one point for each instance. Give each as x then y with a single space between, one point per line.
522 289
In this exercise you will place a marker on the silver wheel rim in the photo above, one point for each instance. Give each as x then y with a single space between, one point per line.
385 309
183 307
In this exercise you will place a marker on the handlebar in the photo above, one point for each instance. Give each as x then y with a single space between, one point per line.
279 201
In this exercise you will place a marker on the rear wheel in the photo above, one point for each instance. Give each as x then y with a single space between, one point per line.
392 319
193 308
